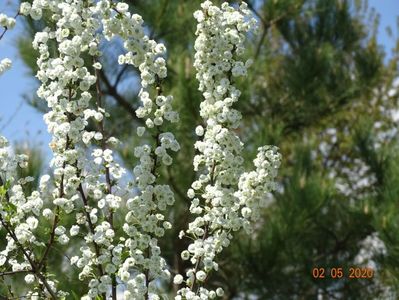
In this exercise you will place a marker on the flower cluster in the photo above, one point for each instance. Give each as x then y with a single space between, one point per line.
253 186
8 23
370 248
20 212
5 64
66 87
92 187
144 222
19 217
146 55
224 197
87 180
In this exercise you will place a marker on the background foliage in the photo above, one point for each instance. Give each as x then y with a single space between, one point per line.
324 91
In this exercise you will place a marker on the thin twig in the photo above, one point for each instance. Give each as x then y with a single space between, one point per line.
153 171
6 28
112 91
119 76
61 194
91 225
206 231
251 7
108 179
9 273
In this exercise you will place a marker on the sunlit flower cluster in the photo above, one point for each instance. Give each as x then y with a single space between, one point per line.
6 21
66 87
224 197
90 185
145 222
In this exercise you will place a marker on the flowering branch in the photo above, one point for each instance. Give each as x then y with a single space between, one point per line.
8 165
107 170
91 184
144 221
7 23
224 197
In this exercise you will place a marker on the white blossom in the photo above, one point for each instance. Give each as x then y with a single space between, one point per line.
5 64
6 21
225 198
29 279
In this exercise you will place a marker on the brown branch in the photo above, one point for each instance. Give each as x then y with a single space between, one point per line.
35 269
91 229
261 40
199 262
55 221
112 91
256 13
175 186
9 273
119 76
265 30
266 25
91 226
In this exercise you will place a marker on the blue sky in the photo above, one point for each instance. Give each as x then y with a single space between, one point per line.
19 122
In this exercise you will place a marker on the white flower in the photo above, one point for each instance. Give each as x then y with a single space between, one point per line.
178 279
44 181
5 65
224 197
201 275
3 259
29 278
219 292
59 230
7 21
25 8
97 66
98 136
199 15
140 131
48 214
74 230
74 259
63 239
185 255
32 222
199 130
122 7
190 193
